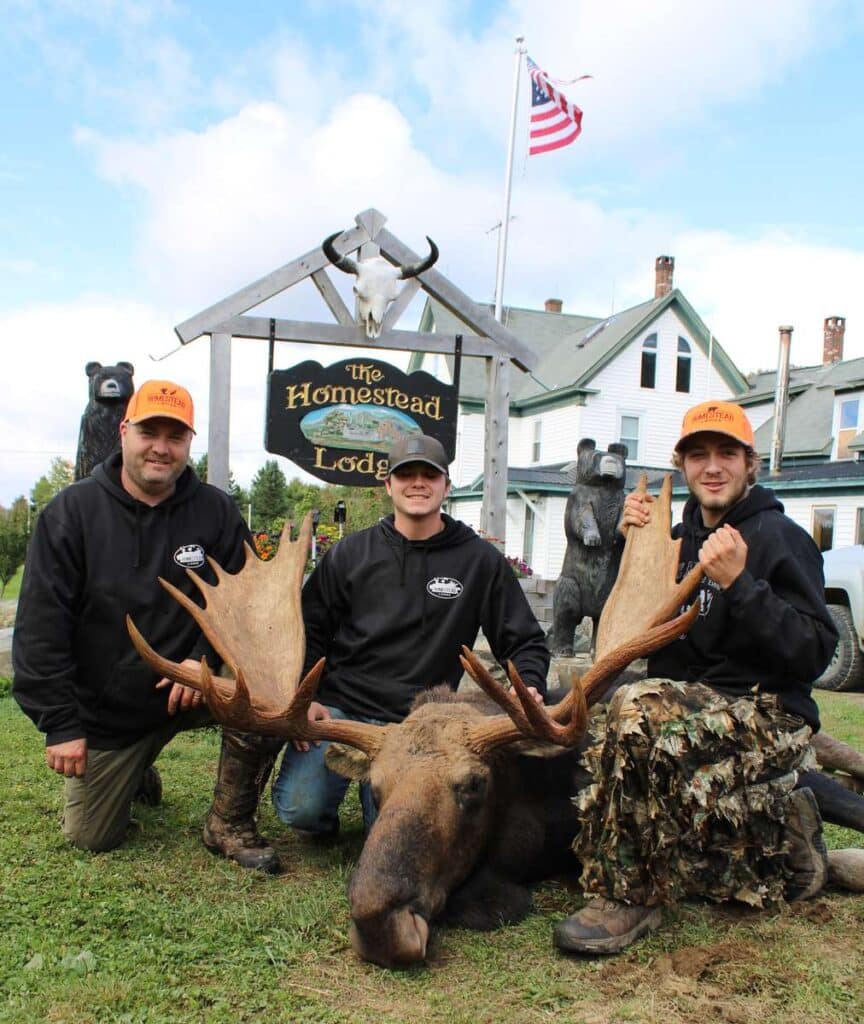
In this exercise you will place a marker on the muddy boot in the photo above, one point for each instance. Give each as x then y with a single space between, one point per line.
245 763
605 926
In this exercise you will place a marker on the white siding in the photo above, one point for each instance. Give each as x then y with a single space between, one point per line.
562 431
468 464
845 514
660 409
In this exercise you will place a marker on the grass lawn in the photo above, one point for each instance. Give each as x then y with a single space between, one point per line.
162 931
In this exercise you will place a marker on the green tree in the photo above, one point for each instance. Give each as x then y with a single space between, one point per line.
60 475
199 467
20 513
269 497
364 506
13 546
238 493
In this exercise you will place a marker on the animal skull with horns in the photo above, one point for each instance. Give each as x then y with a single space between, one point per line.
377 281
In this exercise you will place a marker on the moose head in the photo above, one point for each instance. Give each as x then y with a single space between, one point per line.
377 281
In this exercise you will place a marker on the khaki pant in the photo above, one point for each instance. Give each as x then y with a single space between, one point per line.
98 806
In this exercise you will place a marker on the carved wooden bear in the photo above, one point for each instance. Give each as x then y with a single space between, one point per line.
110 390
591 518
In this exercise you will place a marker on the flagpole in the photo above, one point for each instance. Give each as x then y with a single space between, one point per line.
508 183
493 511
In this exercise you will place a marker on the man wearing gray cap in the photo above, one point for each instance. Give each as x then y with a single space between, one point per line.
389 608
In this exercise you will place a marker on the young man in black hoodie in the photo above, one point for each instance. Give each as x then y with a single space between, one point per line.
762 636
390 608
95 555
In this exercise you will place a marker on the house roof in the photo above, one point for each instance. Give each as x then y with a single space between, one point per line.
810 412
571 350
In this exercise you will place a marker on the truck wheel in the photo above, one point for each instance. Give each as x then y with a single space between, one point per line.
846 669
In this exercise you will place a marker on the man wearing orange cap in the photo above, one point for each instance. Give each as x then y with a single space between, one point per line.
702 801
95 556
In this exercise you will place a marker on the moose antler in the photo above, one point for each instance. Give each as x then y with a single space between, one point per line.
253 620
632 625
645 592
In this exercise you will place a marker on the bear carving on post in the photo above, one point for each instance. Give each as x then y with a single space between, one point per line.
591 519
110 390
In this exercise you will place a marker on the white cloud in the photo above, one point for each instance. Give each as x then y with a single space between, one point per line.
229 203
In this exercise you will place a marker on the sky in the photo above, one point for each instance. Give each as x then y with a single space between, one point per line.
159 155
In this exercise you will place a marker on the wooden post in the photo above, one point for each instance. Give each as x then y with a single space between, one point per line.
493 517
220 410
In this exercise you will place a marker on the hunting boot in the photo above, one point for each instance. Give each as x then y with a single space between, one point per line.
605 926
149 791
245 763
808 857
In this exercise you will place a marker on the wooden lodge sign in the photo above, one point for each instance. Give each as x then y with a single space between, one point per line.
338 422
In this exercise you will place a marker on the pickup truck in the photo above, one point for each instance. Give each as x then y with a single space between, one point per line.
844 594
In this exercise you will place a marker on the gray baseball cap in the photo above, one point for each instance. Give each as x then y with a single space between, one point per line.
418 448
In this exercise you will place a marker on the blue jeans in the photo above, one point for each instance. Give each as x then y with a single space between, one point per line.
307 795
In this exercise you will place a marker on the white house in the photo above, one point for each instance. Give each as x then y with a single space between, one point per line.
629 378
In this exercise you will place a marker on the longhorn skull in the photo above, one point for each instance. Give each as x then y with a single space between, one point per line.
376 284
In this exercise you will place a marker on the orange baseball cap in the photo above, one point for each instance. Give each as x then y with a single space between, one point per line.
717 418
161 398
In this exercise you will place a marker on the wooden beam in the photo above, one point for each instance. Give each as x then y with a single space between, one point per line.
208 320
493 514
327 291
371 221
311 333
220 410
460 304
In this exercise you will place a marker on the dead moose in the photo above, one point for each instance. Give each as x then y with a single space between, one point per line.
466 818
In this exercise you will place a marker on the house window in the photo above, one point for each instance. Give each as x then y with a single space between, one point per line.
528 536
649 362
823 528
630 436
535 444
859 525
682 367
848 427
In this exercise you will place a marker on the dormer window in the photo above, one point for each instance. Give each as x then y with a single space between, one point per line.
848 427
682 367
649 362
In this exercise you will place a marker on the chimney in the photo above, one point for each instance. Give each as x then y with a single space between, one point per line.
664 268
554 305
781 401
832 345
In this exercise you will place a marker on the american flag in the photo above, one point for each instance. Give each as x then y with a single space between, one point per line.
555 121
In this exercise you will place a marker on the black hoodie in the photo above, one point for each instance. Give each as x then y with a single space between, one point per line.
94 556
391 615
771 627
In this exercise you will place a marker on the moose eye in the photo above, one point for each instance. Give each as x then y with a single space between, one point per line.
471 790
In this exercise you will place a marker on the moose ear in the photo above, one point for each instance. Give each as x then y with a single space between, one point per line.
348 762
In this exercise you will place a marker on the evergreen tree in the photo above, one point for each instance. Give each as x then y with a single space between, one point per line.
269 497
199 467
238 493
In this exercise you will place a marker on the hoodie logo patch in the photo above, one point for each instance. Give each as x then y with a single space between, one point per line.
444 587
190 556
